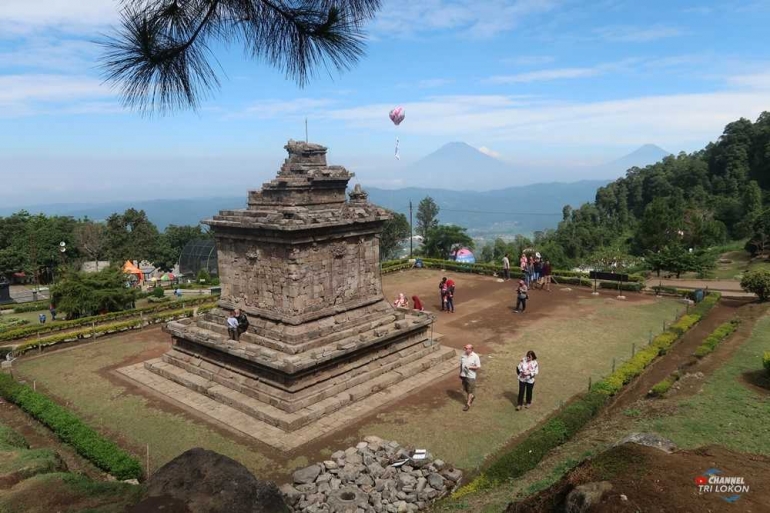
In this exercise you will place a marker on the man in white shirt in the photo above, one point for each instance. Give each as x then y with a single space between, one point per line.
469 364
506 268
232 327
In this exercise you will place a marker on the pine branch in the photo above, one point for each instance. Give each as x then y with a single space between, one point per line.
160 57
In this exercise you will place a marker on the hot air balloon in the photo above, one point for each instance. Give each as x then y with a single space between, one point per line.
397 115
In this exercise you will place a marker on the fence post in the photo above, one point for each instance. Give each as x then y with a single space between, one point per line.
589 383
148 461
93 330
34 385
664 325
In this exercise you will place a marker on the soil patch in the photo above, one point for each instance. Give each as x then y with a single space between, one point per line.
649 480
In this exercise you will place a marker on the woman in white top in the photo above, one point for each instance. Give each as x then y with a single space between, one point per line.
527 370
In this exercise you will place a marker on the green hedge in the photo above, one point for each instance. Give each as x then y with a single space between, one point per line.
86 321
766 361
568 421
104 329
715 337
660 389
627 286
70 429
26 307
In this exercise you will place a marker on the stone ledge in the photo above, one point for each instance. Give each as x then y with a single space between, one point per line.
271 435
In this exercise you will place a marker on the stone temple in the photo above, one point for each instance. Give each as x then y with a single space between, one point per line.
302 260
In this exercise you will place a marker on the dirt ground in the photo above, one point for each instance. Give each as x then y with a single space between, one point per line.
649 480
575 334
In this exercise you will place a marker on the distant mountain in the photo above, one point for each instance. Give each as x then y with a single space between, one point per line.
455 176
644 156
522 209
460 166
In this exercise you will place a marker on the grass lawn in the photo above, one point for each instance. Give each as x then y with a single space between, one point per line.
569 350
728 412
576 339
75 378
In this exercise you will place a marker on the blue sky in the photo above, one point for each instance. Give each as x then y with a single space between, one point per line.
552 85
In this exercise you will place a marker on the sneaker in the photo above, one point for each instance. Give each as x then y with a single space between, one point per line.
516 311
466 408
518 408
527 406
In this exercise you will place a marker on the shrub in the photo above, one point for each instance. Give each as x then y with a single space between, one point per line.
632 287
664 386
11 439
157 292
757 282
766 361
685 323
26 307
715 337
70 429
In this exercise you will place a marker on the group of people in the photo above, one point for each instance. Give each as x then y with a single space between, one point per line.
526 370
535 270
446 290
237 324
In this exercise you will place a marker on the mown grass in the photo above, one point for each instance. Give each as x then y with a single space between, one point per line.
74 377
728 411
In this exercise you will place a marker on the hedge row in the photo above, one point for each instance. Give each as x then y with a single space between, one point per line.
718 335
85 321
70 429
635 282
105 329
568 421
660 389
26 307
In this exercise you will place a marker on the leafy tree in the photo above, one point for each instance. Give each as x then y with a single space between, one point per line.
395 230
131 236
427 216
91 238
757 282
81 294
443 240
160 58
759 241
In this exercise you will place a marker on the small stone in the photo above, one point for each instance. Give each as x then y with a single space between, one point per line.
453 475
405 480
439 464
411 507
401 507
364 480
354 458
623 497
323 478
421 483
324 488
307 474
131 481
338 455
407 468
335 483
379 484
362 445
420 505
308 488
435 481
291 494
401 495
330 465
375 470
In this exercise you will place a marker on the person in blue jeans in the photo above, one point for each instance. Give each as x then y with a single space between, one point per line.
450 303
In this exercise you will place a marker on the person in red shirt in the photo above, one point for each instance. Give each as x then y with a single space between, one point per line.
417 304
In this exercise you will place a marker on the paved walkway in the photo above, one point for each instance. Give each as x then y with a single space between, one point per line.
726 287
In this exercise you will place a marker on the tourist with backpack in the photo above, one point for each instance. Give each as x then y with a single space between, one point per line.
522 294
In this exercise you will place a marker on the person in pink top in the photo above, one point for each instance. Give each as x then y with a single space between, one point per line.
401 301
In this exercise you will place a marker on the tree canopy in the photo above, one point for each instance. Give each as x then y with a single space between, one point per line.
427 216
80 294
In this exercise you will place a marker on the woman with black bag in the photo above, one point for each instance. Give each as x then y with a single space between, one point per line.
526 371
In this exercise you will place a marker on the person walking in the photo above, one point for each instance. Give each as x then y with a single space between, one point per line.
243 322
506 268
522 294
547 275
232 327
450 299
442 288
469 364
527 370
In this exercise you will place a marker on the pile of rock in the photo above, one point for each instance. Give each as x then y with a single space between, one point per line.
374 476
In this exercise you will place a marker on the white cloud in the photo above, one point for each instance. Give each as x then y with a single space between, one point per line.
634 34
434 82
470 17
24 16
529 60
754 81
490 152
22 95
47 54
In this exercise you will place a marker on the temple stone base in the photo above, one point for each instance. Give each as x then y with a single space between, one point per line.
244 414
